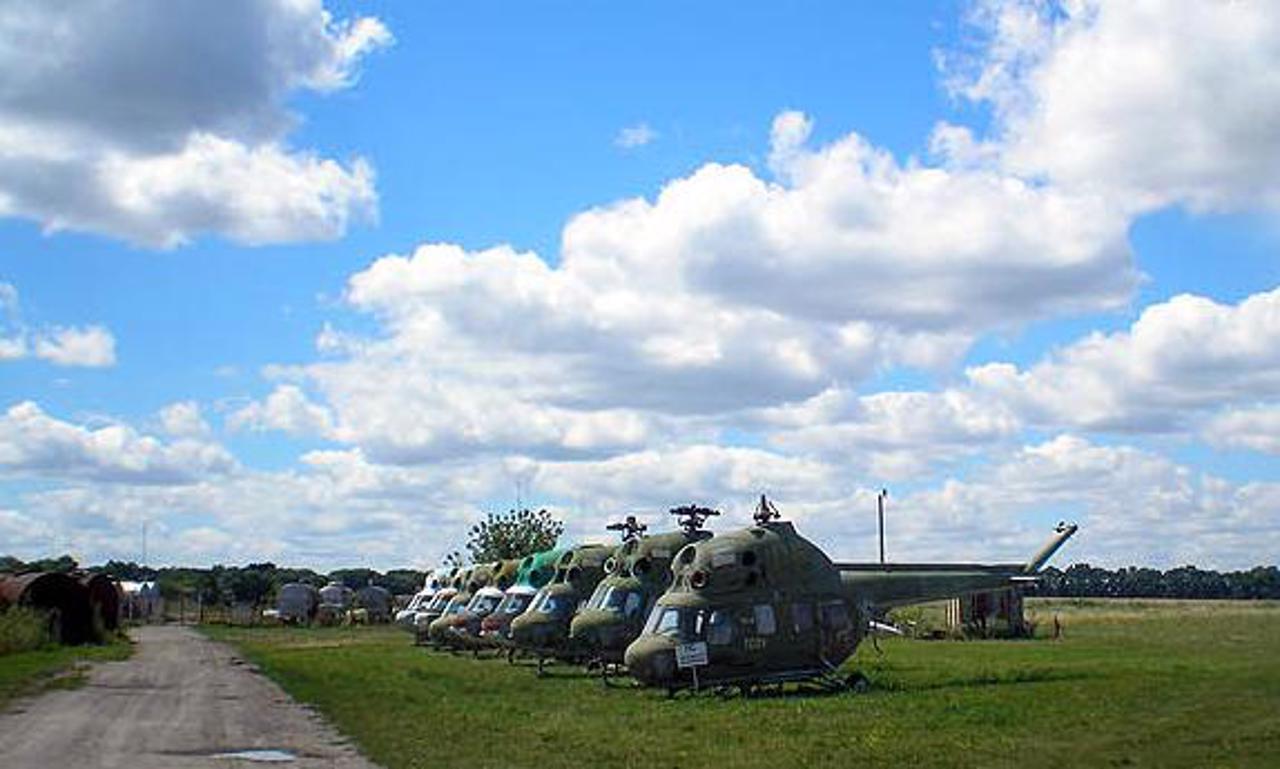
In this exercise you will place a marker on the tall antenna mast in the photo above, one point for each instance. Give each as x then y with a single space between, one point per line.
880 515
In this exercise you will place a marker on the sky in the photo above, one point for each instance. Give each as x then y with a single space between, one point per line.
322 283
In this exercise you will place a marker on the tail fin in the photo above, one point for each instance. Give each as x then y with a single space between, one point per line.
1061 534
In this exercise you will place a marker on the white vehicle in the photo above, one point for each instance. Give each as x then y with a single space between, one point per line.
419 602
435 580
434 608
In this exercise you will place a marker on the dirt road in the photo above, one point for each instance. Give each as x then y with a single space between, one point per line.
180 701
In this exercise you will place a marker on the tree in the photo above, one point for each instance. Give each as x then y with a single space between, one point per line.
63 563
251 584
354 578
513 534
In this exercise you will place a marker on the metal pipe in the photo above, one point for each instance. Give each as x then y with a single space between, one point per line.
880 515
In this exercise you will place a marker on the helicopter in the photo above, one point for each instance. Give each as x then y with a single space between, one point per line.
543 629
461 628
535 571
466 583
454 578
764 606
635 576
433 582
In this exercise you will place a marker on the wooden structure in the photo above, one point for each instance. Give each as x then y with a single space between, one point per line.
993 613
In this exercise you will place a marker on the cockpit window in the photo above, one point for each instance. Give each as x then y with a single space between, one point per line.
669 622
514 603
681 624
766 624
614 600
719 628
802 617
599 597
835 616
633 604
548 603
439 601
483 604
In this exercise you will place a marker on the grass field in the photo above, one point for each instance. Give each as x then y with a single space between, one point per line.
1131 683
28 672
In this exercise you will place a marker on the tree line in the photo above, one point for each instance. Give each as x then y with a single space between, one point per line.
256 583
1082 580
498 536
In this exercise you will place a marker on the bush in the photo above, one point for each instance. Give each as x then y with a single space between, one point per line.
23 629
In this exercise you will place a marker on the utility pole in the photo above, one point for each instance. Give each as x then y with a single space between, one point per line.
880 514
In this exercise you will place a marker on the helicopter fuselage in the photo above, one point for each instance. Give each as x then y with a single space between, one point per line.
757 603
636 575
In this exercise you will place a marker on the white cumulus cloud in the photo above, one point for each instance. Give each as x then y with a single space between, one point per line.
1152 102
92 346
36 444
1179 360
159 121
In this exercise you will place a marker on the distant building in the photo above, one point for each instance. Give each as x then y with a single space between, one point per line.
142 602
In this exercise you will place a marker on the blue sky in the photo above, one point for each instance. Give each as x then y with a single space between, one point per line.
324 285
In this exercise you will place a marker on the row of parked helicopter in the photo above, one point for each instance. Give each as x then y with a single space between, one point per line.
686 608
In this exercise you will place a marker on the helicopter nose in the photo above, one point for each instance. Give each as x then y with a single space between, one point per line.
602 633
527 631
651 660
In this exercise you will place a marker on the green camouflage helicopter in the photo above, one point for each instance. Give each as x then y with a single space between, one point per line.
764 606
543 629
535 571
636 575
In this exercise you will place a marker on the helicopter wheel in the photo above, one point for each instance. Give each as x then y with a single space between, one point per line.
857 683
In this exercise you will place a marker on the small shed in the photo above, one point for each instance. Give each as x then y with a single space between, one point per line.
993 613
142 601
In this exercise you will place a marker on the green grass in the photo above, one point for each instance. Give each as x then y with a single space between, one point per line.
1132 683
28 672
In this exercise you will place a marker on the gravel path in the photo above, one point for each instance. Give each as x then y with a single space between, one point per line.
180 701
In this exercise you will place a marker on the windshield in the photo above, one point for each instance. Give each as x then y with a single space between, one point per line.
618 600
549 603
682 624
514 603
439 601
456 604
483 604
599 596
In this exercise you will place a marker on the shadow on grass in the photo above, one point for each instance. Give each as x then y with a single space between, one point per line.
883 685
